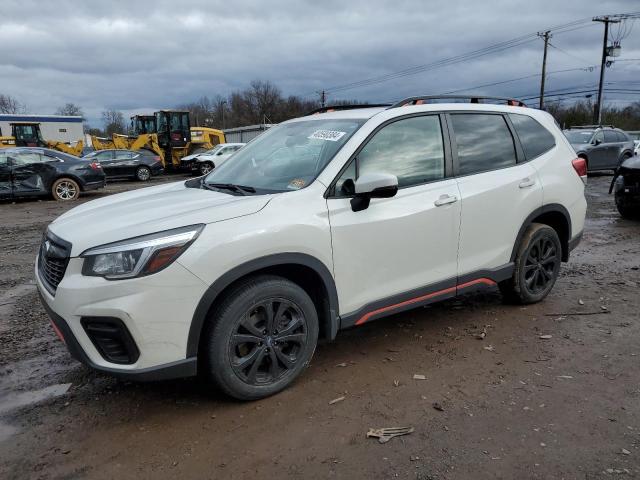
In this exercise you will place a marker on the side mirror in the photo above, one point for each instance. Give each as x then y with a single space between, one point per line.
373 185
597 141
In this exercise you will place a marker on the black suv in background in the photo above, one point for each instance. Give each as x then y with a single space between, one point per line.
136 164
602 146
27 172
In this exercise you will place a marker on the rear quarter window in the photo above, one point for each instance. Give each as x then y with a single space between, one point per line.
483 142
534 138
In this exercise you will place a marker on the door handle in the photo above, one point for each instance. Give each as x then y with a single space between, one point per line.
527 182
445 200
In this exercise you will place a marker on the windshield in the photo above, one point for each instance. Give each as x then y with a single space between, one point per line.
286 157
578 136
213 150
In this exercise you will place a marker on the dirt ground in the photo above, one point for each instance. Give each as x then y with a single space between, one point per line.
513 405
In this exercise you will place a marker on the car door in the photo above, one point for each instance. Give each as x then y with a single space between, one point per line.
105 158
6 188
32 173
599 152
498 190
399 251
123 163
613 149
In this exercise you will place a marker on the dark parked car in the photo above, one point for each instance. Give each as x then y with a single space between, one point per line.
626 185
137 164
603 147
27 171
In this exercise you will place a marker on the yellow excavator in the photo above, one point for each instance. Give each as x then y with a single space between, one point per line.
167 133
28 134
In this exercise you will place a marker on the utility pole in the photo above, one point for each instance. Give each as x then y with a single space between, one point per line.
546 35
222 107
597 113
323 98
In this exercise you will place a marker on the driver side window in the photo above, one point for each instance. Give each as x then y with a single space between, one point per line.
598 137
412 149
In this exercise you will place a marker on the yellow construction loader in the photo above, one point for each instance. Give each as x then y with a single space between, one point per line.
28 134
167 133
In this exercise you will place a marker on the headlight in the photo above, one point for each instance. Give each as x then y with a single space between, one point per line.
140 256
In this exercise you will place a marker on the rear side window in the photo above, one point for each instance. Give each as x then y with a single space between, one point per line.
610 136
622 137
484 142
534 138
411 149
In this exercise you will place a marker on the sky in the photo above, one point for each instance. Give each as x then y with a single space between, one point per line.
141 56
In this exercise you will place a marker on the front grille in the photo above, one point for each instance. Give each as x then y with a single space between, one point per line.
111 338
52 261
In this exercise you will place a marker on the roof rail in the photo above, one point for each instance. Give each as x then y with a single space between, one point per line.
590 126
337 108
423 99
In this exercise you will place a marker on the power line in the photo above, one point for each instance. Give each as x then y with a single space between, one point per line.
495 48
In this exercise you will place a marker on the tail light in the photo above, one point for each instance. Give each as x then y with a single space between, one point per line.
95 166
580 166
157 158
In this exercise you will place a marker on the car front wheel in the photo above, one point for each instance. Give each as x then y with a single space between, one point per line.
260 337
537 266
205 168
65 189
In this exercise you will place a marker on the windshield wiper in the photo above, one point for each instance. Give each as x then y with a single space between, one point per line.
241 189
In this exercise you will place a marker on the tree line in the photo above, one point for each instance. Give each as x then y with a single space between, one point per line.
263 102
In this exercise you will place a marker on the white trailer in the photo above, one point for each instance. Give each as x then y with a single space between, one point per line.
60 128
244 134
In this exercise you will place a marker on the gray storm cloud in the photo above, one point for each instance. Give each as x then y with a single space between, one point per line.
146 55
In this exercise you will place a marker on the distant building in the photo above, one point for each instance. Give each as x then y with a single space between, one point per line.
60 128
244 134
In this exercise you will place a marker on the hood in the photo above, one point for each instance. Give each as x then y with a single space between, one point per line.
191 157
631 165
149 210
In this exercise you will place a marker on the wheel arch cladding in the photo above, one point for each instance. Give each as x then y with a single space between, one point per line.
306 271
554 215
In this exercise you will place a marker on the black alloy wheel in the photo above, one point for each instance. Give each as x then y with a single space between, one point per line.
536 266
259 337
540 265
267 341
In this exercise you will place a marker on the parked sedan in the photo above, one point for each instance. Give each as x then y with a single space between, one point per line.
27 171
603 147
202 163
136 164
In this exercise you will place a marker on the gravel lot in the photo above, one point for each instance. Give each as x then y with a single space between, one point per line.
552 391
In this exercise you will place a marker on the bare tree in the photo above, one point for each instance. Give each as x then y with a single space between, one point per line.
70 109
113 121
9 104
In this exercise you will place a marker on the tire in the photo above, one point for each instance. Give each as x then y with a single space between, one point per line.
537 266
205 167
241 359
628 212
65 189
143 174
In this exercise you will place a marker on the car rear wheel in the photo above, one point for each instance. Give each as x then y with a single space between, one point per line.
205 168
143 174
537 266
65 189
261 337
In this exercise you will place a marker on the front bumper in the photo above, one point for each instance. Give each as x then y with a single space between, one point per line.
155 310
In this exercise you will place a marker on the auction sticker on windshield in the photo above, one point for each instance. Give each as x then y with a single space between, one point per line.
331 135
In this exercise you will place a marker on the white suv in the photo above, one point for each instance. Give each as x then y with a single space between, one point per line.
322 223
